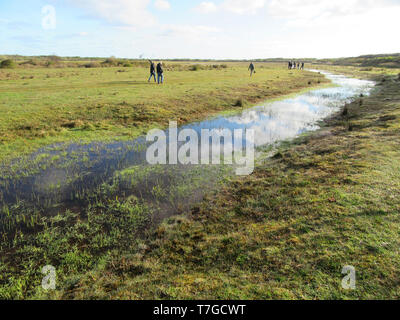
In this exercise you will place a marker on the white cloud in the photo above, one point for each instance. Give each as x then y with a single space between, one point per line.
162 5
320 10
122 12
207 7
188 31
244 6
304 9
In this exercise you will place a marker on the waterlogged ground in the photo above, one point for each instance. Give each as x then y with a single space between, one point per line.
44 106
64 175
78 207
285 119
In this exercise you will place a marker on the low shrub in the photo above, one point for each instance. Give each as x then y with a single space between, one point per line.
240 103
195 67
92 65
29 62
345 111
113 62
7 64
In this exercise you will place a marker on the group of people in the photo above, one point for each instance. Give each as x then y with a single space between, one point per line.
160 72
291 64
296 65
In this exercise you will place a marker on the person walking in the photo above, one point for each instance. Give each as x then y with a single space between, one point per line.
290 65
160 73
252 69
152 71
302 66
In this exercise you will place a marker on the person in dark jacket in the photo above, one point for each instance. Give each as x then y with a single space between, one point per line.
252 69
152 71
160 73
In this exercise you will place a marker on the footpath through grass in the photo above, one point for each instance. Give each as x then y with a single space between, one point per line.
40 106
328 200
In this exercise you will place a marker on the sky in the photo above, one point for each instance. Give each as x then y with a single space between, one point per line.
211 29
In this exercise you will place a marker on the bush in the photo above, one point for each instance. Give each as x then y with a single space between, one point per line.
240 103
54 58
49 63
345 111
53 61
30 62
7 64
113 62
92 65
195 67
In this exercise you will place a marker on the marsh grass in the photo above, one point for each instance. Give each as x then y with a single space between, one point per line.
326 200
7 64
42 106
323 201
106 223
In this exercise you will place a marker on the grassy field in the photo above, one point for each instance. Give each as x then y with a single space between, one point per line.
326 200
43 105
40 105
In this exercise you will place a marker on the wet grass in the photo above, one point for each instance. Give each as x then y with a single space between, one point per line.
97 228
327 200
43 106
276 234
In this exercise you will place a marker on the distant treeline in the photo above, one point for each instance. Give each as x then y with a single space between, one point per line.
13 61
377 61
66 62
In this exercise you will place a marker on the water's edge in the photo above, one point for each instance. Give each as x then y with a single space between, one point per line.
61 175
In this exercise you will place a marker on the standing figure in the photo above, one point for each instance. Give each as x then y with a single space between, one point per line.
252 69
152 71
302 66
290 65
160 73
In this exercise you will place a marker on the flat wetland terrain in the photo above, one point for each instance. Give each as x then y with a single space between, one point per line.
40 106
323 201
